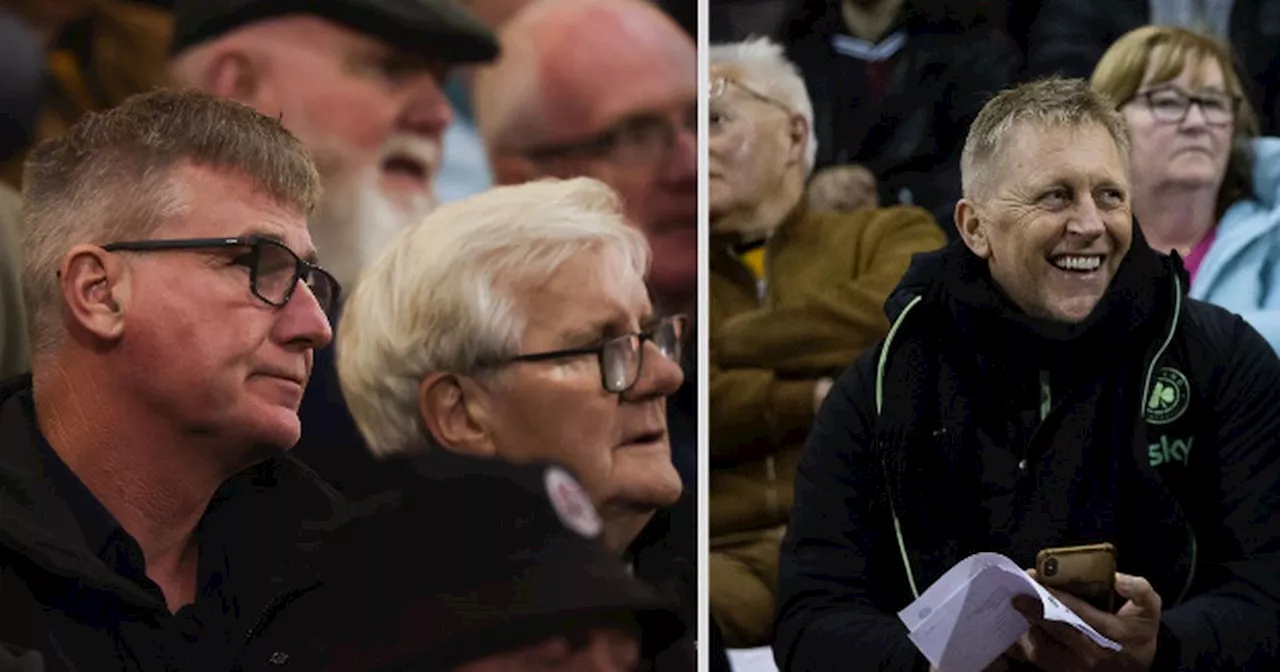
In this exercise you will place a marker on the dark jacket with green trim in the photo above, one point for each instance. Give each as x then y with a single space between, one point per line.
972 455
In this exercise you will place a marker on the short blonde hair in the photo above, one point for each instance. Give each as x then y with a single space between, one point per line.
111 177
444 295
1053 103
765 69
1168 50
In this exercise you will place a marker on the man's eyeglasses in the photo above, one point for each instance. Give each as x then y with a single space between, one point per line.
1170 106
639 140
720 85
621 358
274 269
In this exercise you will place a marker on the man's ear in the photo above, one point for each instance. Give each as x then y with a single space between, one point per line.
798 134
972 229
454 410
237 75
95 289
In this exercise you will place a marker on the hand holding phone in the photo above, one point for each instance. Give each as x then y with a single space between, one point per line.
1088 572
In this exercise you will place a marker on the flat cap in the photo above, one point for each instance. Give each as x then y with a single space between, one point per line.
436 28
465 557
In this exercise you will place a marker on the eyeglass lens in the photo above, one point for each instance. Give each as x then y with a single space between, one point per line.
1172 106
276 276
621 358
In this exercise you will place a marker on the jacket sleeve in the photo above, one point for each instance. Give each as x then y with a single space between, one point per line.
828 329
753 412
1066 39
1266 322
827 617
1232 622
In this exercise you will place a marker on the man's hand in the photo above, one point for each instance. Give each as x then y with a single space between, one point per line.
1055 647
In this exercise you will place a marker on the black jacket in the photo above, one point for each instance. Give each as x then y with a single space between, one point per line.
1158 434
1069 37
61 600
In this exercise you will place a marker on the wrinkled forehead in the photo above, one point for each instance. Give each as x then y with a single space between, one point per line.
606 67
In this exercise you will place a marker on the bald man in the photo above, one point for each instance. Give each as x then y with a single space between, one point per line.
606 89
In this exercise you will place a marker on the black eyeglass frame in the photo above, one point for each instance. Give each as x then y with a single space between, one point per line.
603 144
680 321
1199 101
301 270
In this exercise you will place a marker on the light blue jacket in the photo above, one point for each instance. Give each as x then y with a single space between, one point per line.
1240 270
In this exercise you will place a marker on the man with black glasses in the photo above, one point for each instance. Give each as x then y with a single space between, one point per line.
516 324
149 516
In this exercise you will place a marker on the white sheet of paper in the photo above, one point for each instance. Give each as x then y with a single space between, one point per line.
965 620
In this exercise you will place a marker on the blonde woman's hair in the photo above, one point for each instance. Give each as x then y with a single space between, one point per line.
1166 51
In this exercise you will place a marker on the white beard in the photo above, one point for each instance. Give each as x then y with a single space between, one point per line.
356 221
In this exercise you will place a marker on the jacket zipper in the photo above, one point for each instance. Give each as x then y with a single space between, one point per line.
273 606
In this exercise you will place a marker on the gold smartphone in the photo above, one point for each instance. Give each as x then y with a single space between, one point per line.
1088 572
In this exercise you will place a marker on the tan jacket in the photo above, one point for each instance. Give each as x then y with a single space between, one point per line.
828 277
121 51
13 327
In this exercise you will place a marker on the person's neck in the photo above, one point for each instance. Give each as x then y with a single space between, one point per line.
147 474
1175 217
870 23
756 221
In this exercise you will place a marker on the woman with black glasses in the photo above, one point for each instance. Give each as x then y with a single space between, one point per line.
1204 184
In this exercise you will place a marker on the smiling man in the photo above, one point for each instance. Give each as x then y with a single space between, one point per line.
1035 376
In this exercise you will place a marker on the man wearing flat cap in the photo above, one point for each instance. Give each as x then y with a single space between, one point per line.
534 587
360 83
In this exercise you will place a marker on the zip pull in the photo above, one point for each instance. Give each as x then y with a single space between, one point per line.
1046 396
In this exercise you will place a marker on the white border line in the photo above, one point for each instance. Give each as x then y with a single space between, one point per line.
704 451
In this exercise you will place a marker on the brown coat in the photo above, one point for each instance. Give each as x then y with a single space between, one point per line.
13 326
118 49
829 275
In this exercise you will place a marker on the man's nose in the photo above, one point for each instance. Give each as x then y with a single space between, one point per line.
1088 220
682 161
659 376
426 107
302 322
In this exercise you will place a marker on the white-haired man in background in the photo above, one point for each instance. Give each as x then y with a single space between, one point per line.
359 82
516 324
778 337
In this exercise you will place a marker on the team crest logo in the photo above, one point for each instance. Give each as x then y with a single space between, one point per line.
571 503
1169 398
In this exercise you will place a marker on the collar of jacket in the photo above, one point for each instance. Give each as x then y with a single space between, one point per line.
956 280
279 500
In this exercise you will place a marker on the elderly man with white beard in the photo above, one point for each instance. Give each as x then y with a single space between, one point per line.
360 83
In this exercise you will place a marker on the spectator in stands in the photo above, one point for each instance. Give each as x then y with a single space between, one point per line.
95 54
517 324
607 89
1069 37
1008 410
554 105
842 189
359 82
1204 184
531 588
13 323
895 85
151 512
777 339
